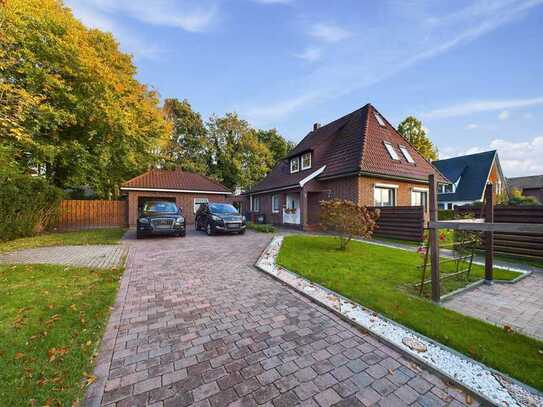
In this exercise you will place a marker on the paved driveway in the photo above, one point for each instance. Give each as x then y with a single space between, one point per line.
196 324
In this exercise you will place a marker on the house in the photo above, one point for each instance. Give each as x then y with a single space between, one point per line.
188 190
529 186
358 157
469 175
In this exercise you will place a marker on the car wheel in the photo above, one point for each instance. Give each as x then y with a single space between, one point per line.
209 230
182 234
242 232
139 235
197 225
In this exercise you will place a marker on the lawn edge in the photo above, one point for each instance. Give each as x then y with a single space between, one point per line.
266 263
95 391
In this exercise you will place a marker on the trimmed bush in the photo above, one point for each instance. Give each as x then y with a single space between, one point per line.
263 228
27 205
445 214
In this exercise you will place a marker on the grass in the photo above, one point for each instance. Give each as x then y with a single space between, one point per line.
376 277
51 322
263 228
83 237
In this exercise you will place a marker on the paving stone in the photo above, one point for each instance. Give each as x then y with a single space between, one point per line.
383 386
368 396
265 393
306 390
205 390
287 399
420 385
407 394
223 398
147 385
305 375
327 398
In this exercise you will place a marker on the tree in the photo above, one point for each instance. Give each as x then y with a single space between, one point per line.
278 146
348 219
188 147
71 108
236 156
413 131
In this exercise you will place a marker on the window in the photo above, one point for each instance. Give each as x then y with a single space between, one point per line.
447 188
198 202
294 164
384 196
306 161
440 206
379 119
406 154
419 197
393 154
255 204
275 203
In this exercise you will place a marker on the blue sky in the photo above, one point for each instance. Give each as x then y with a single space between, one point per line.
471 70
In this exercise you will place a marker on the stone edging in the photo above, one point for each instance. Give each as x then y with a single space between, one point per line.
95 391
484 382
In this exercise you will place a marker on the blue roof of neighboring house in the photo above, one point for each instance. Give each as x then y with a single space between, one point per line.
473 171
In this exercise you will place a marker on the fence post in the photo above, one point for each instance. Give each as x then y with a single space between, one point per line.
434 240
489 236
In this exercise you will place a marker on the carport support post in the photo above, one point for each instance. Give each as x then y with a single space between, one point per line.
489 236
433 241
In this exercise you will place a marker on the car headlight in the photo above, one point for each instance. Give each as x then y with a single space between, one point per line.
243 218
216 218
179 220
143 220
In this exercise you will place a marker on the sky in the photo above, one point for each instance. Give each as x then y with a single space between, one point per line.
470 70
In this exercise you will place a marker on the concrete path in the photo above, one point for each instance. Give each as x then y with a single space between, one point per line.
95 256
518 305
196 324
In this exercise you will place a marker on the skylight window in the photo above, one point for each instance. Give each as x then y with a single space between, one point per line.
393 154
379 119
406 154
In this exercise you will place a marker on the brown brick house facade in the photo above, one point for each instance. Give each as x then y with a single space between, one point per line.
184 188
359 157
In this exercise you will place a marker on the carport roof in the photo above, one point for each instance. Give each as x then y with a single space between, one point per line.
175 181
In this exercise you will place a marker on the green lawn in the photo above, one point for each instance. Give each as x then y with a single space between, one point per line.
83 237
377 277
51 322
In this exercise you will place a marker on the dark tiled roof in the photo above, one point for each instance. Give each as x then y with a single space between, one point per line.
473 171
531 182
350 145
175 179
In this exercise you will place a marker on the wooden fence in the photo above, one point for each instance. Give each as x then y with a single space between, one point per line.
401 222
514 243
89 214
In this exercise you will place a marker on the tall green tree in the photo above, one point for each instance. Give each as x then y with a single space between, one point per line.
414 132
188 147
237 157
278 146
70 106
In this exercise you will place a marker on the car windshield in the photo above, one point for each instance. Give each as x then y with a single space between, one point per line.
162 207
222 208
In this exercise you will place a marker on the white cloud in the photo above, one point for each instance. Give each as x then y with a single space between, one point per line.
468 108
516 158
472 126
329 32
504 115
372 52
310 54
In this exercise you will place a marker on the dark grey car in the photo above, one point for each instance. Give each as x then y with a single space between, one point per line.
219 217
160 218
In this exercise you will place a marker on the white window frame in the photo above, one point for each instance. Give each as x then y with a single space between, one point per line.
379 119
391 151
305 167
255 204
390 187
424 190
406 154
276 209
297 161
197 202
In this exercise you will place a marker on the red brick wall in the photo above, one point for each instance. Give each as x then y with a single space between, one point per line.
183 200
403 193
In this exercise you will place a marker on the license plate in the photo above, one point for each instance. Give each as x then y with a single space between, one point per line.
233 225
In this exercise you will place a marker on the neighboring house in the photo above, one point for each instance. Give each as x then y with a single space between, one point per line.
188 190
529 186
359 157
469 175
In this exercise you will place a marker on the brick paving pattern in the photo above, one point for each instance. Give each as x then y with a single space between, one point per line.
519 305
95 256
195 324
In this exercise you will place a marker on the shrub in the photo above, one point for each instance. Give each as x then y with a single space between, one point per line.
348 219
263 228
27 205
445 214
517 198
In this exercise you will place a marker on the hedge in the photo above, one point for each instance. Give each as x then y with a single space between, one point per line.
27 204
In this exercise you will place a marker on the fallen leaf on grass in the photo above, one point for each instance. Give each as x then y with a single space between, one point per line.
41 381
19 355
507 329
52 320
89 379
469 399
55 353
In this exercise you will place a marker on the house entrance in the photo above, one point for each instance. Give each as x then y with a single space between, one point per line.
291 212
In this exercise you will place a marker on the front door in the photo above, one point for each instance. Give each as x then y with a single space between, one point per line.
291 213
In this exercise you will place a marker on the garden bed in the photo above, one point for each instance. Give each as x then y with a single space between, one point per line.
377 277
51 323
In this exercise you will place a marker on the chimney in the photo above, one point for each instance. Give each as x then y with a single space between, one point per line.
316 126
